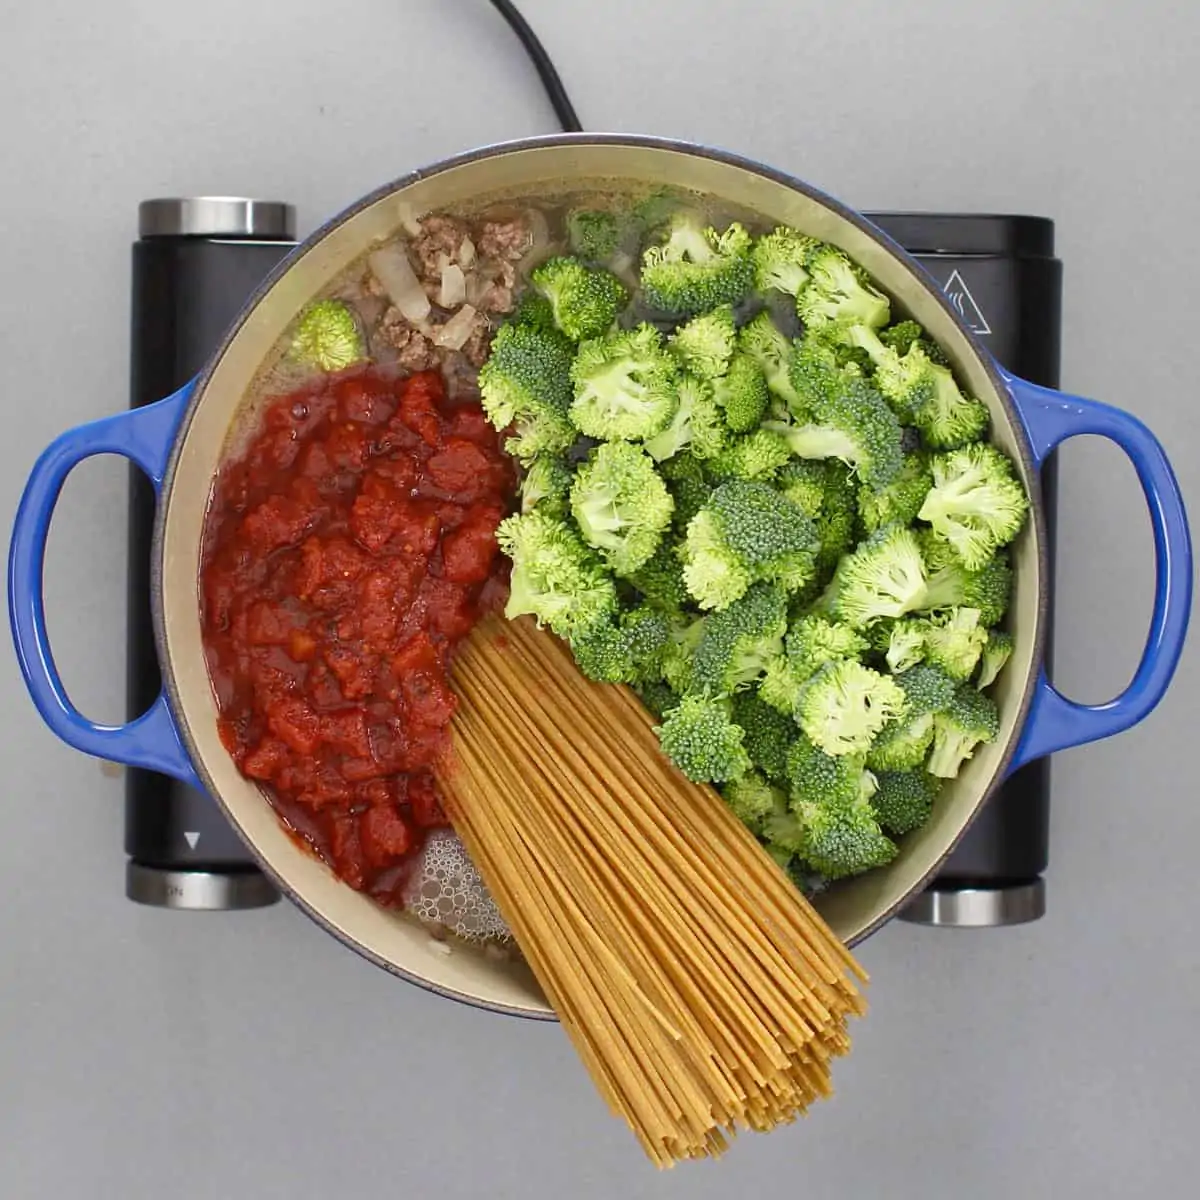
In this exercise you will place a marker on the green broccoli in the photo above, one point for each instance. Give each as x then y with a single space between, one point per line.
761 340
954 641
525 385
845 704
755 456
741 393
555 577
976 504
810 643
820 778
884 577
705 344
657 697
970 720
593 234
906 381
678 657
697 425
627 651
534 310
745 532
546 485
700 738
951 585
901 336
740 640
905 643
948 419
843 840
624 386
751 798
902 744
996 654
696 269
817 375
327 337
803 482
901 500
903 800
780 261
621 505
837 291
854 425
586 302
688 484
660 580
768 734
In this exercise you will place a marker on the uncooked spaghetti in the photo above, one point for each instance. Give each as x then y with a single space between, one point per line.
700 988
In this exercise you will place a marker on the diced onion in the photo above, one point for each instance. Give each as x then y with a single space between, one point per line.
454 286
407 216
466 252
454 334
392 269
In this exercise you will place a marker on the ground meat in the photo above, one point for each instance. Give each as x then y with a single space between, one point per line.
475 351
492 287
504 239
439 236
414 352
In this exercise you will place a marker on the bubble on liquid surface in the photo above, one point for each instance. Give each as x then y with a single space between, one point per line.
446 890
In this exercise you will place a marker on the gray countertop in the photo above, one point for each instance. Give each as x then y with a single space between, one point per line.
146 1054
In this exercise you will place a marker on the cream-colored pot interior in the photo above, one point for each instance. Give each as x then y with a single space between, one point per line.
396 942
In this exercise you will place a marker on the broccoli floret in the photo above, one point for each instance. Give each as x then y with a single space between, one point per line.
705 344
628 651
624 386
970 720
811 642
742 394
838 292
534 311
837 524
555 577
907 381
884 577
845 705
996 654
593 234
803 483
621 505
678 659
768 734
854 425
700 738
948 419
697 425
903 800
525 385
327 337
816 374
586 302
756 456
688 484
843 840
903 743
745 532
901 336
660 580
657 697
905 643
696 269
740 640
820 778
976 504
901 500
761 340
951 585
781 261
547 486
954 641
751 798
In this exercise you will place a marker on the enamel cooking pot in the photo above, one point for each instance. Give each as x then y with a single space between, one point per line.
178 443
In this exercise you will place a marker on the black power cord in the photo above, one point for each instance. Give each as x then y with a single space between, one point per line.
559 100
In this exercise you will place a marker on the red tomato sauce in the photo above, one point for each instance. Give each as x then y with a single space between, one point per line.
348 548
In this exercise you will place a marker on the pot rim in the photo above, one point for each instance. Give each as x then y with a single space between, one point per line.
634 141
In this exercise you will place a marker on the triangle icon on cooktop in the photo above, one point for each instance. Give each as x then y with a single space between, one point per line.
192 839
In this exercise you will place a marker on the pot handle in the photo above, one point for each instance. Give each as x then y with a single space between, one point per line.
144 436
1054 722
